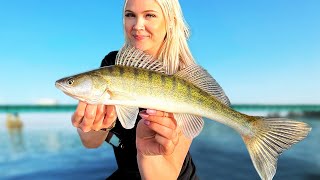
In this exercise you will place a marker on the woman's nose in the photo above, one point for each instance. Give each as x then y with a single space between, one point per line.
139 24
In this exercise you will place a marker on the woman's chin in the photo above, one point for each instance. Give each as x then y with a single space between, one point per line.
139 46
143 47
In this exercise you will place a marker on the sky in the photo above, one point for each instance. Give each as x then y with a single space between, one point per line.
265 52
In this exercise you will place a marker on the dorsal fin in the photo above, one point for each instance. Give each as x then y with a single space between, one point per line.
133 57
203 80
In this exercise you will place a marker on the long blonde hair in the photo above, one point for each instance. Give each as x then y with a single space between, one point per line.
174 52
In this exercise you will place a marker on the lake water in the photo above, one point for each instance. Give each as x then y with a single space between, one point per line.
49 148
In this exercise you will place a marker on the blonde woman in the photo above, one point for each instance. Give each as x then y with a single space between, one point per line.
155 148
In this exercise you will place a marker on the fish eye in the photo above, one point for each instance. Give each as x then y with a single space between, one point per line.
70 81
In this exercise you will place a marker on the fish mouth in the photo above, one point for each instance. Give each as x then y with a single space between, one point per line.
61 87
67 92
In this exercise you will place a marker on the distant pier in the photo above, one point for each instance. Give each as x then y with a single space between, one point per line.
36 108
238 107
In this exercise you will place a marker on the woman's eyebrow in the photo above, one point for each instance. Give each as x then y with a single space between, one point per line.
154 11
146 11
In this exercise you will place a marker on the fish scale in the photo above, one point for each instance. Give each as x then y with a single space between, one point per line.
148 86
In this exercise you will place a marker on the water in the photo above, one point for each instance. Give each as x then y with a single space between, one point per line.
50 148
219 153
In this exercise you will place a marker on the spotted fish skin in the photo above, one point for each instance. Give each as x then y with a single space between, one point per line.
136 81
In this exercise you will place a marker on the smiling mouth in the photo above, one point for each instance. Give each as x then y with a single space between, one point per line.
139 37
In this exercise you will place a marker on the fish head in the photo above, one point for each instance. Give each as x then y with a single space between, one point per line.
89 87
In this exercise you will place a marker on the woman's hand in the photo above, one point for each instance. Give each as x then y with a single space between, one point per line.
161 147
89 117
157 133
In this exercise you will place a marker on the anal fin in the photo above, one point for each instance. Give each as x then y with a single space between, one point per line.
190 125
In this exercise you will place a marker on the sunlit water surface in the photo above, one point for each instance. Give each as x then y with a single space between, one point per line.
49 148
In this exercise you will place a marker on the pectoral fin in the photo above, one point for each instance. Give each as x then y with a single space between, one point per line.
190 125
127 115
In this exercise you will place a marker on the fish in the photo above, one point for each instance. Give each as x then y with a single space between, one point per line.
139 80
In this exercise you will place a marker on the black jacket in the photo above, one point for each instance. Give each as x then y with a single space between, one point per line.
126 152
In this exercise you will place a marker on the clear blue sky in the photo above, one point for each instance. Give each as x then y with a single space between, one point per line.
259 51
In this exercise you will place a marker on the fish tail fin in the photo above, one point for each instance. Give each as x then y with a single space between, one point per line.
270 138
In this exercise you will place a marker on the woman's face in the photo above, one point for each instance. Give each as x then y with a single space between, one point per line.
145 25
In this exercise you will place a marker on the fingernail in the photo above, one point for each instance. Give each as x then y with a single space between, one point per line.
146 122
75 124
85 130
151 111
143 115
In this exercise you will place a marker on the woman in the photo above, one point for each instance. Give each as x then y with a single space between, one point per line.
155 148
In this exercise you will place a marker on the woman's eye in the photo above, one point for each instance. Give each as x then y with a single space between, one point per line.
129 15
151 15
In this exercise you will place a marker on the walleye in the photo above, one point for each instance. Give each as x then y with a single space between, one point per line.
137 80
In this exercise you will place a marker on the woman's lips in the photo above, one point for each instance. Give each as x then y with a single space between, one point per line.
139 37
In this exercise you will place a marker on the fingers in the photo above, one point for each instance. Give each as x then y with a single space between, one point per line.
160 117
159 113
89 117
78 114
110 116
164 125
167 147
100 114
160 129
